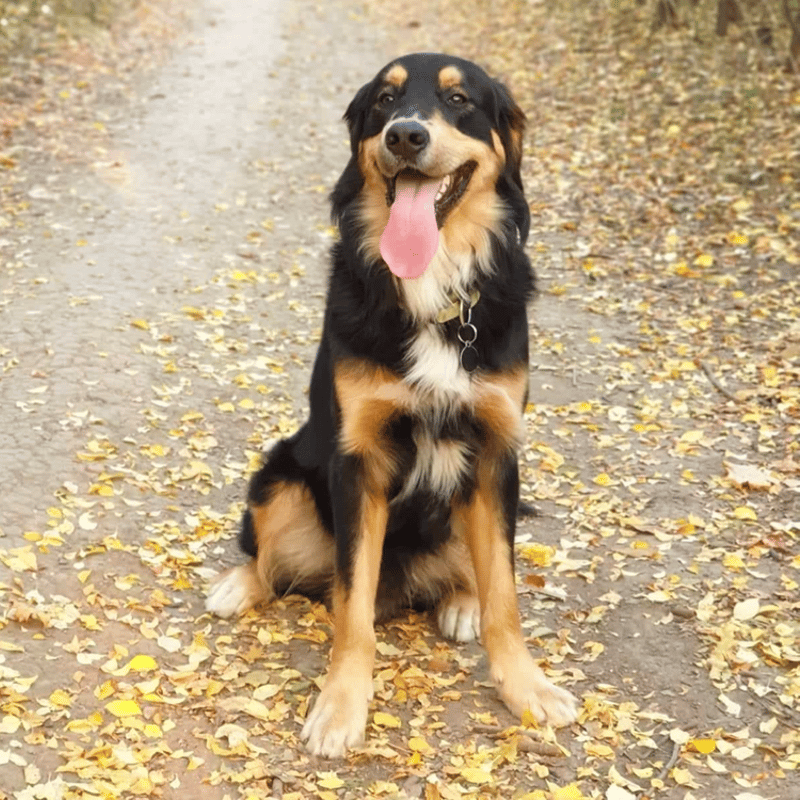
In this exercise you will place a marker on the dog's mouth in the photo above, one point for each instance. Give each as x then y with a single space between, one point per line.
418 207
451 188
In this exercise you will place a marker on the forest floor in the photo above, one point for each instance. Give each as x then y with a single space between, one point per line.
163 235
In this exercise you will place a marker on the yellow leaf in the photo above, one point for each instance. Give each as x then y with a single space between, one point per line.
571 792
539 554
386 720
193 313
683 777
331 781
745 512
142 324
599 750
105 690
123 708
746 609
20 559
226 407
704 260
528 720
475 775
732 561
603 479
704 746
9 724
142 663
419 745
60 698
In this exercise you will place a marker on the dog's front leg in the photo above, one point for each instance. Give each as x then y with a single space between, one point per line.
339 716
487 524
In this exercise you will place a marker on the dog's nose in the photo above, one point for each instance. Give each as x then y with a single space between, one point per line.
407 138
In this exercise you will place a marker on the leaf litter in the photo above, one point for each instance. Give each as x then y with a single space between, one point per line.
660 578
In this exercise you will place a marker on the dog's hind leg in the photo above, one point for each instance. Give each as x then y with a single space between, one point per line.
291 553
235 590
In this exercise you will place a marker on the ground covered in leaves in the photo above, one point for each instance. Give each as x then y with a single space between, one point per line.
162 284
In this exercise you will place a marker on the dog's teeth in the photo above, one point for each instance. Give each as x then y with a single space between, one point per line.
445 185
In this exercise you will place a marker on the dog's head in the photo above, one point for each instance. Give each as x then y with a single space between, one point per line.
436 149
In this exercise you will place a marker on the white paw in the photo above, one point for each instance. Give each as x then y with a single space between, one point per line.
235 591
338 718
524 687
459 617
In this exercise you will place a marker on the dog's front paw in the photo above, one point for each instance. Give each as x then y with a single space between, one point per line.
339 717
524 687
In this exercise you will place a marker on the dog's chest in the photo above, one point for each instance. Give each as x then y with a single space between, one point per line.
441 464
443 432
434 369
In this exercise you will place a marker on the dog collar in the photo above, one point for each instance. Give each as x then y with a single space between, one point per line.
467 332
455 308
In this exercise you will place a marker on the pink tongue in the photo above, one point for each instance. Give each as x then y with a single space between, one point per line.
410 238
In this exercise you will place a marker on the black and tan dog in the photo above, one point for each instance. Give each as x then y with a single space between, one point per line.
402 487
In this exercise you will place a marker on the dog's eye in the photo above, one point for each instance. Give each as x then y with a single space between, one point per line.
457 99
385 98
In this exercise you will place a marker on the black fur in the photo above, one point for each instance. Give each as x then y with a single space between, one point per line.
365 319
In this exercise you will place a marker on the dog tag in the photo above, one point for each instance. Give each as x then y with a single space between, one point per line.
469 358
467 334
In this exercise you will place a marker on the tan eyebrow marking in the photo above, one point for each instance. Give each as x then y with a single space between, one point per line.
450 76
397 75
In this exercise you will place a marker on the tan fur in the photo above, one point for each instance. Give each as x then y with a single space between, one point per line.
499 403
293 548
450 76
368 399
520 681
373 210
354 609
516 132
444 573
481 525
498 147
397 75
339 715
467 227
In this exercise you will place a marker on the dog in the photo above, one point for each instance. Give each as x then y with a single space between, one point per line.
402 487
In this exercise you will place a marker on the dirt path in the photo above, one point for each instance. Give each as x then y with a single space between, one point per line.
162 295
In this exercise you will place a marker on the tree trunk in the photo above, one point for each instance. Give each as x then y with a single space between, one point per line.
666 13
728 11
793 61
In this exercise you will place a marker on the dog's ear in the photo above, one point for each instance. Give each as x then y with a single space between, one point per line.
351 180
510 122
356 114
